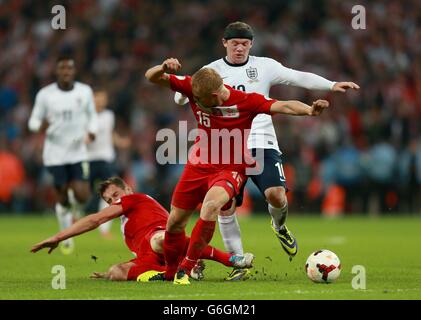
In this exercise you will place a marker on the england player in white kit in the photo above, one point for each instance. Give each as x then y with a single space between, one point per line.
65 111
258 74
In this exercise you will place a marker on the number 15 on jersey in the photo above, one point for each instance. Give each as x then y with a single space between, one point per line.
203 118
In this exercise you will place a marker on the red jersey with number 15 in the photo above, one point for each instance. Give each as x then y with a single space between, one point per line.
221 141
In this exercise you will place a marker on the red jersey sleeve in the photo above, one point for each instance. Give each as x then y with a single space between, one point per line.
259 103
181 84
129 201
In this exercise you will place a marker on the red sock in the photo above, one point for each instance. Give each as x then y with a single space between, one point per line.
186 246
173 252
211 253
201 236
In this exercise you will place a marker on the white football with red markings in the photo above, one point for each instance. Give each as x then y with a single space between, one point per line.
323 266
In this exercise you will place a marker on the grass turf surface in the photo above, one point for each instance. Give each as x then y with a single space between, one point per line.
387 247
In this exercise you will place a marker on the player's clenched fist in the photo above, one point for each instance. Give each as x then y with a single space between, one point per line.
318 106
171 65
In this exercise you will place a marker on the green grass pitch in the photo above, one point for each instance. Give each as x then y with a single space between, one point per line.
388 248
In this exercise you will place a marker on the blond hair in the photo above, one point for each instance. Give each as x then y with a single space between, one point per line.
205 82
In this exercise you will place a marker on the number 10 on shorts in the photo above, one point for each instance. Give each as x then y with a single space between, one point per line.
281 171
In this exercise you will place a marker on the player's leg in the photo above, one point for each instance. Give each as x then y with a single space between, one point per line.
272 183
223 186
203 231
189 192
228 223
231 236
79 185
157 242
65 218
239 262
174 239
147 266
120 272
62 207
278 209
277 206
230 229
210 253
151 266
117 272
227 259
92 205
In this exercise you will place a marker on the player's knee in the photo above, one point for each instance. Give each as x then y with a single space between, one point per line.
62 195
82 193
230 211
116 273
178 219
210 209
157 242
276 197
176 223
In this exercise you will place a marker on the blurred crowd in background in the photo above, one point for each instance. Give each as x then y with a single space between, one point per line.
363 155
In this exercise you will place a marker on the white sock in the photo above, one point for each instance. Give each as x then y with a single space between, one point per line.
279 216
231 234
65 218
105 227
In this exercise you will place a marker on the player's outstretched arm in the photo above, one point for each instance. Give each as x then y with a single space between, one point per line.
308 80
159 74
343 86
298 108
83 225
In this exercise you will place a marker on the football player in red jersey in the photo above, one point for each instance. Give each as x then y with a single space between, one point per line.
221 109
143 222
244 71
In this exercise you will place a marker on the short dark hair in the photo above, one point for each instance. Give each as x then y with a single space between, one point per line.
64 57
238 29
117 181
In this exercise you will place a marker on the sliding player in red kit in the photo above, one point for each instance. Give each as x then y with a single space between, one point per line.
215 172
143 222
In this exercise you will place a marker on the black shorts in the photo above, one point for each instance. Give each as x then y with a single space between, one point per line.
272 175
63 174
100 171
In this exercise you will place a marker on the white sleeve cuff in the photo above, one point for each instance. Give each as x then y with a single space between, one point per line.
180 99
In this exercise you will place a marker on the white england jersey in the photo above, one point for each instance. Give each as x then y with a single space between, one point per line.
102 148
71 115
259 74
